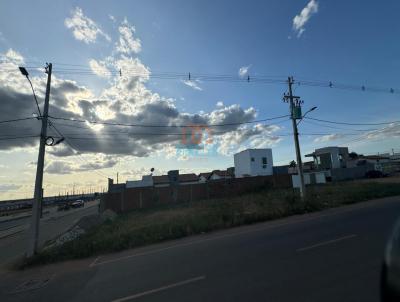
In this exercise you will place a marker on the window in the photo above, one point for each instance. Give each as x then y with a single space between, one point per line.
264 162
252 159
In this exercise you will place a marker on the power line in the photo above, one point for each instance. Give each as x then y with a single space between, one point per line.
17 137
262 79
17 120
351 124
166 126
341 128
79 156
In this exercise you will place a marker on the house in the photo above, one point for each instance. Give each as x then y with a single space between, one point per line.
220 174
174 177
253 162
330 157
188 179
204 177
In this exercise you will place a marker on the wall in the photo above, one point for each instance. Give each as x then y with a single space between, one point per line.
137 198
309 178
351 173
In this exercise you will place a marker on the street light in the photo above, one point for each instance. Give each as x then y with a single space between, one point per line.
25 73
312 109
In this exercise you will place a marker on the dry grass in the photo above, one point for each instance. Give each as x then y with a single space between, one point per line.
148 226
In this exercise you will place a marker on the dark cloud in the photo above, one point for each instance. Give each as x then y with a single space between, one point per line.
126 100
68 167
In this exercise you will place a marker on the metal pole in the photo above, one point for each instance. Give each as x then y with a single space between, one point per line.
34 228
296 140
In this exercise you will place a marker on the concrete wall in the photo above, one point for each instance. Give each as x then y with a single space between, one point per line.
351 173
244 165
309 178
137 198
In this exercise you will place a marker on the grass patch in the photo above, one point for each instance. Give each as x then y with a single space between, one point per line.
146 226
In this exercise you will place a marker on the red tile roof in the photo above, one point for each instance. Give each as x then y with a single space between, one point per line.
163 179
188 177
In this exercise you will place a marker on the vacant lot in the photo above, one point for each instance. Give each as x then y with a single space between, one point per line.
148 226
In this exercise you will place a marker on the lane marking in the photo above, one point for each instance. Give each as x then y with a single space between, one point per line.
325 243
159 289
277 225
94 262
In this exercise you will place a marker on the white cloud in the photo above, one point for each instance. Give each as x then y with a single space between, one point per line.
300 20
127 43
327 138
97 162
84 28
244 71
192 84
99 68
126 99
14 56
390 131
112 18
256 136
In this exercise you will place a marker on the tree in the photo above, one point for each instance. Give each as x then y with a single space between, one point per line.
292 164
353 155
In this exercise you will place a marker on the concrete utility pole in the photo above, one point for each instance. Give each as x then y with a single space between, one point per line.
36 206
295 113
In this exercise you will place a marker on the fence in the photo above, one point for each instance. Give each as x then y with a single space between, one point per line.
147 197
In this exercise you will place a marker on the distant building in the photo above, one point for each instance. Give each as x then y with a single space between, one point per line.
253 162
147 181
175 178
220 174
204 177
330 157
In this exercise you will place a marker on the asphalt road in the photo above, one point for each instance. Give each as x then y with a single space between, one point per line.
51 226
333 255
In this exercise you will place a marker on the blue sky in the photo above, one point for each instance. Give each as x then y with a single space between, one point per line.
350 42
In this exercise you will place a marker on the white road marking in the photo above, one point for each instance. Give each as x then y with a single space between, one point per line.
162 288
325 243
94 262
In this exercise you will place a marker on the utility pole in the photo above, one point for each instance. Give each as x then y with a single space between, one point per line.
295 113
36 206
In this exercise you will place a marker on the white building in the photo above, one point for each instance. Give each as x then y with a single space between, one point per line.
330 157
253 162
147 181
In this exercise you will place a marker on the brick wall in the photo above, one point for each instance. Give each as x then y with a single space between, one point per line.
137 198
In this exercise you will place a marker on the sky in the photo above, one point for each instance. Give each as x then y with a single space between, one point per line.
161 65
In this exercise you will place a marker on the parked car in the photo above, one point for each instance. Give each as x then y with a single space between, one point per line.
63 207
374 174
390 271
78 204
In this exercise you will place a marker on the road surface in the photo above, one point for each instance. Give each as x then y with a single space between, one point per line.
333 255
13 234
